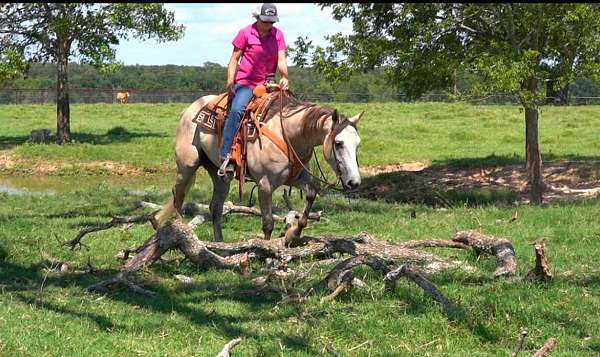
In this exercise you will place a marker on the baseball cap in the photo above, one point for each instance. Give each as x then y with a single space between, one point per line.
268 13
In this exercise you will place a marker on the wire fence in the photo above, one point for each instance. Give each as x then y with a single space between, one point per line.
95 95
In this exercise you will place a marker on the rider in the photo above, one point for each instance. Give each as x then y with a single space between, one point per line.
262 50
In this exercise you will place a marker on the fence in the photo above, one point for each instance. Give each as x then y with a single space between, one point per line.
94 95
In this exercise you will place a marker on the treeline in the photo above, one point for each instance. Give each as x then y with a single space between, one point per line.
211 77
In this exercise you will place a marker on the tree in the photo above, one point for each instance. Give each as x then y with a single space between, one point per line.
513 47
43 32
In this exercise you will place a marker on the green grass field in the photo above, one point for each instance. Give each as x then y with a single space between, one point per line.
50 314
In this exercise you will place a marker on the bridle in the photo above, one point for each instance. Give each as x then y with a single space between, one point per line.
336 128
330 145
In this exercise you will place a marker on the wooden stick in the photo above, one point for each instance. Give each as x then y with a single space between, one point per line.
542 268
410 272
546 348
228 347
519 344
115 221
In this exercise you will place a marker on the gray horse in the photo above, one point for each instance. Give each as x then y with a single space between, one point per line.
306 125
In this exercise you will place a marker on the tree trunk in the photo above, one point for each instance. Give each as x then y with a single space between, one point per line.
532 148
563 95
63 129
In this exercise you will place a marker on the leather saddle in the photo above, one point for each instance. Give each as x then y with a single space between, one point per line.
211 118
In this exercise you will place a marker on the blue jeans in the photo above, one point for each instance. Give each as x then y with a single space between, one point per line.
242 96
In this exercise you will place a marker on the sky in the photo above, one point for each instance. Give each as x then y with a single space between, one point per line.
210 28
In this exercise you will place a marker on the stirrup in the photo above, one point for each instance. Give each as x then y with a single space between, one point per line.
223 168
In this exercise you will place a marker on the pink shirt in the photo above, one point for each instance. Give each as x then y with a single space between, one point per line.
259 55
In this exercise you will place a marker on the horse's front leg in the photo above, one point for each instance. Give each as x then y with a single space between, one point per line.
265 198
310 190
220 192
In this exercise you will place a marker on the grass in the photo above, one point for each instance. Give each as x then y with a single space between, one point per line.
142 135
50 314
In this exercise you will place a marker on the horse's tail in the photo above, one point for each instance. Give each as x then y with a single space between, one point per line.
169 206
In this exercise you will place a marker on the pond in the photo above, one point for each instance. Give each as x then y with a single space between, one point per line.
50 185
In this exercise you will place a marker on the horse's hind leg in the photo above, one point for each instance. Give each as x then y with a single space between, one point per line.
187 160
184 180
220 191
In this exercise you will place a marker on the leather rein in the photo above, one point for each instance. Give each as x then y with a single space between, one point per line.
335 129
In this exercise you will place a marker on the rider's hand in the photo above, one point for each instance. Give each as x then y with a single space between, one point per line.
230 88
283 83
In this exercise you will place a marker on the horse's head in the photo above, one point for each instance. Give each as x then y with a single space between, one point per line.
340 148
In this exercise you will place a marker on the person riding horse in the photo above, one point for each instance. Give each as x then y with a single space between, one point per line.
262 49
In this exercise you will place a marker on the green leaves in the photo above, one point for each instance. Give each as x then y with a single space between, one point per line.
88 30
11 64
421 45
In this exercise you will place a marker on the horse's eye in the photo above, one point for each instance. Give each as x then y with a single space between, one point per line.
339 144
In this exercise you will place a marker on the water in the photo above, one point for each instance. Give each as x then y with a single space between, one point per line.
52 185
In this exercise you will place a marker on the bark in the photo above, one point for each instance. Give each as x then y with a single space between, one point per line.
63 129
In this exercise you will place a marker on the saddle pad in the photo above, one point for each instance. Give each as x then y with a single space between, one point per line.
210 118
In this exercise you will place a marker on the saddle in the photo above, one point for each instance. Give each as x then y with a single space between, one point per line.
211 118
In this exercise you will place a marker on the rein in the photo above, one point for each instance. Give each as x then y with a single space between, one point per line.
290 147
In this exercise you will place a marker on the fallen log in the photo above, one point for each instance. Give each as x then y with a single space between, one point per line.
489 245
362 249
237 255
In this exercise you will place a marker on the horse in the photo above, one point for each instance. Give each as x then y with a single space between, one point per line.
122 97
306 126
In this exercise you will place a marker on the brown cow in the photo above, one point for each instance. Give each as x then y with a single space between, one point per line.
122 97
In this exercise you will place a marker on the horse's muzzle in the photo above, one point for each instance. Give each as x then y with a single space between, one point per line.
350 185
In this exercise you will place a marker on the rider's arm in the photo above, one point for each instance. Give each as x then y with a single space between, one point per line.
283 69
232 67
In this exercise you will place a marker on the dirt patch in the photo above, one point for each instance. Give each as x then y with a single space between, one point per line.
564 179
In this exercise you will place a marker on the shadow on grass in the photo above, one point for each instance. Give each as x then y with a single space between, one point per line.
507 160
30 284
117 134
472 182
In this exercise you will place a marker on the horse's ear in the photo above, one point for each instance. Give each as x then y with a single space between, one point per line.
335 116
356 118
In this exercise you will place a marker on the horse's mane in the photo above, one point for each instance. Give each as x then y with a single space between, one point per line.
292 105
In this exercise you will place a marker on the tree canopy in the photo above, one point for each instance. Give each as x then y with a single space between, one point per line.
513 47
88 32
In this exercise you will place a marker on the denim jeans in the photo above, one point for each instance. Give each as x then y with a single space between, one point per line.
242 96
